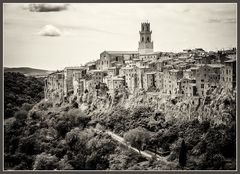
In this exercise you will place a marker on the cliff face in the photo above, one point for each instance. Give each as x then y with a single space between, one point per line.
219 106
170 119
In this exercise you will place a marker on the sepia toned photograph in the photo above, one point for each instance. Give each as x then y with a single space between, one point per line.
120 86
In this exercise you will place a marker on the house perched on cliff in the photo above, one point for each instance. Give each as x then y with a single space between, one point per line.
192 72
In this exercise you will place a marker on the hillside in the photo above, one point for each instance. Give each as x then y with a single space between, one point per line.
28 71
20 91
156 124
55 130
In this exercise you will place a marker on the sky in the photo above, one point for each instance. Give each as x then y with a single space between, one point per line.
53 36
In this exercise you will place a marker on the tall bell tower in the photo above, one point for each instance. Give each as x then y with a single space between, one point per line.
145 43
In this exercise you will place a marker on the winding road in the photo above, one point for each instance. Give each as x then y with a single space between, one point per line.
143 153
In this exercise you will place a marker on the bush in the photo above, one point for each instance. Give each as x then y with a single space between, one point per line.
35 115
27 106
45 161
137 137
218 161
205 125
21 115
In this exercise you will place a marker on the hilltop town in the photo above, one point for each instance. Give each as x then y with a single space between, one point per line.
128 110
190 73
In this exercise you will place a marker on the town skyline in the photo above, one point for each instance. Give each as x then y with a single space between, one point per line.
76 41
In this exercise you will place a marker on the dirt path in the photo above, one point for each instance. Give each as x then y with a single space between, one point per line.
143 153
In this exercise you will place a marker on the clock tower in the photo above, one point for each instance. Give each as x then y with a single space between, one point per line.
145 43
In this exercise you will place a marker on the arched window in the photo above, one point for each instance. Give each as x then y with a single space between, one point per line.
148 39
142 39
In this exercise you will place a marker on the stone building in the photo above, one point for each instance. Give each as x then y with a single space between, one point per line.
115 83
91 65
113 71
129 74
150 55
140 73
187 87
110 59
207 77
170 82
97 77
159 81
149 81
68 77
54 84
79 83
228 74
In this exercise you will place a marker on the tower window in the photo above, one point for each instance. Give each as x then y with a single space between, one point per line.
148 39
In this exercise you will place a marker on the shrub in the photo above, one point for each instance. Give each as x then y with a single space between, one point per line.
45 161
137 137
21 115
218 161
27 106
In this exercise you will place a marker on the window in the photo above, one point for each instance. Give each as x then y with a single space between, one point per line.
202 80
148 39
202 85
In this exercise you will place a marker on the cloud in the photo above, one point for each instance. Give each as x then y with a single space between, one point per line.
47 7
229 20
50 30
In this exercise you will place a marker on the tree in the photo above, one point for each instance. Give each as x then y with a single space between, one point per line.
63 127
137 137
19 89
27 106
218 161
99 148
45 162
183 155
21 115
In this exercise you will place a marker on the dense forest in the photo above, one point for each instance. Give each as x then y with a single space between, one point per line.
54 136
21 91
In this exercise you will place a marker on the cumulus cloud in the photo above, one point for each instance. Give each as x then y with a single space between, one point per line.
47 7
50 30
